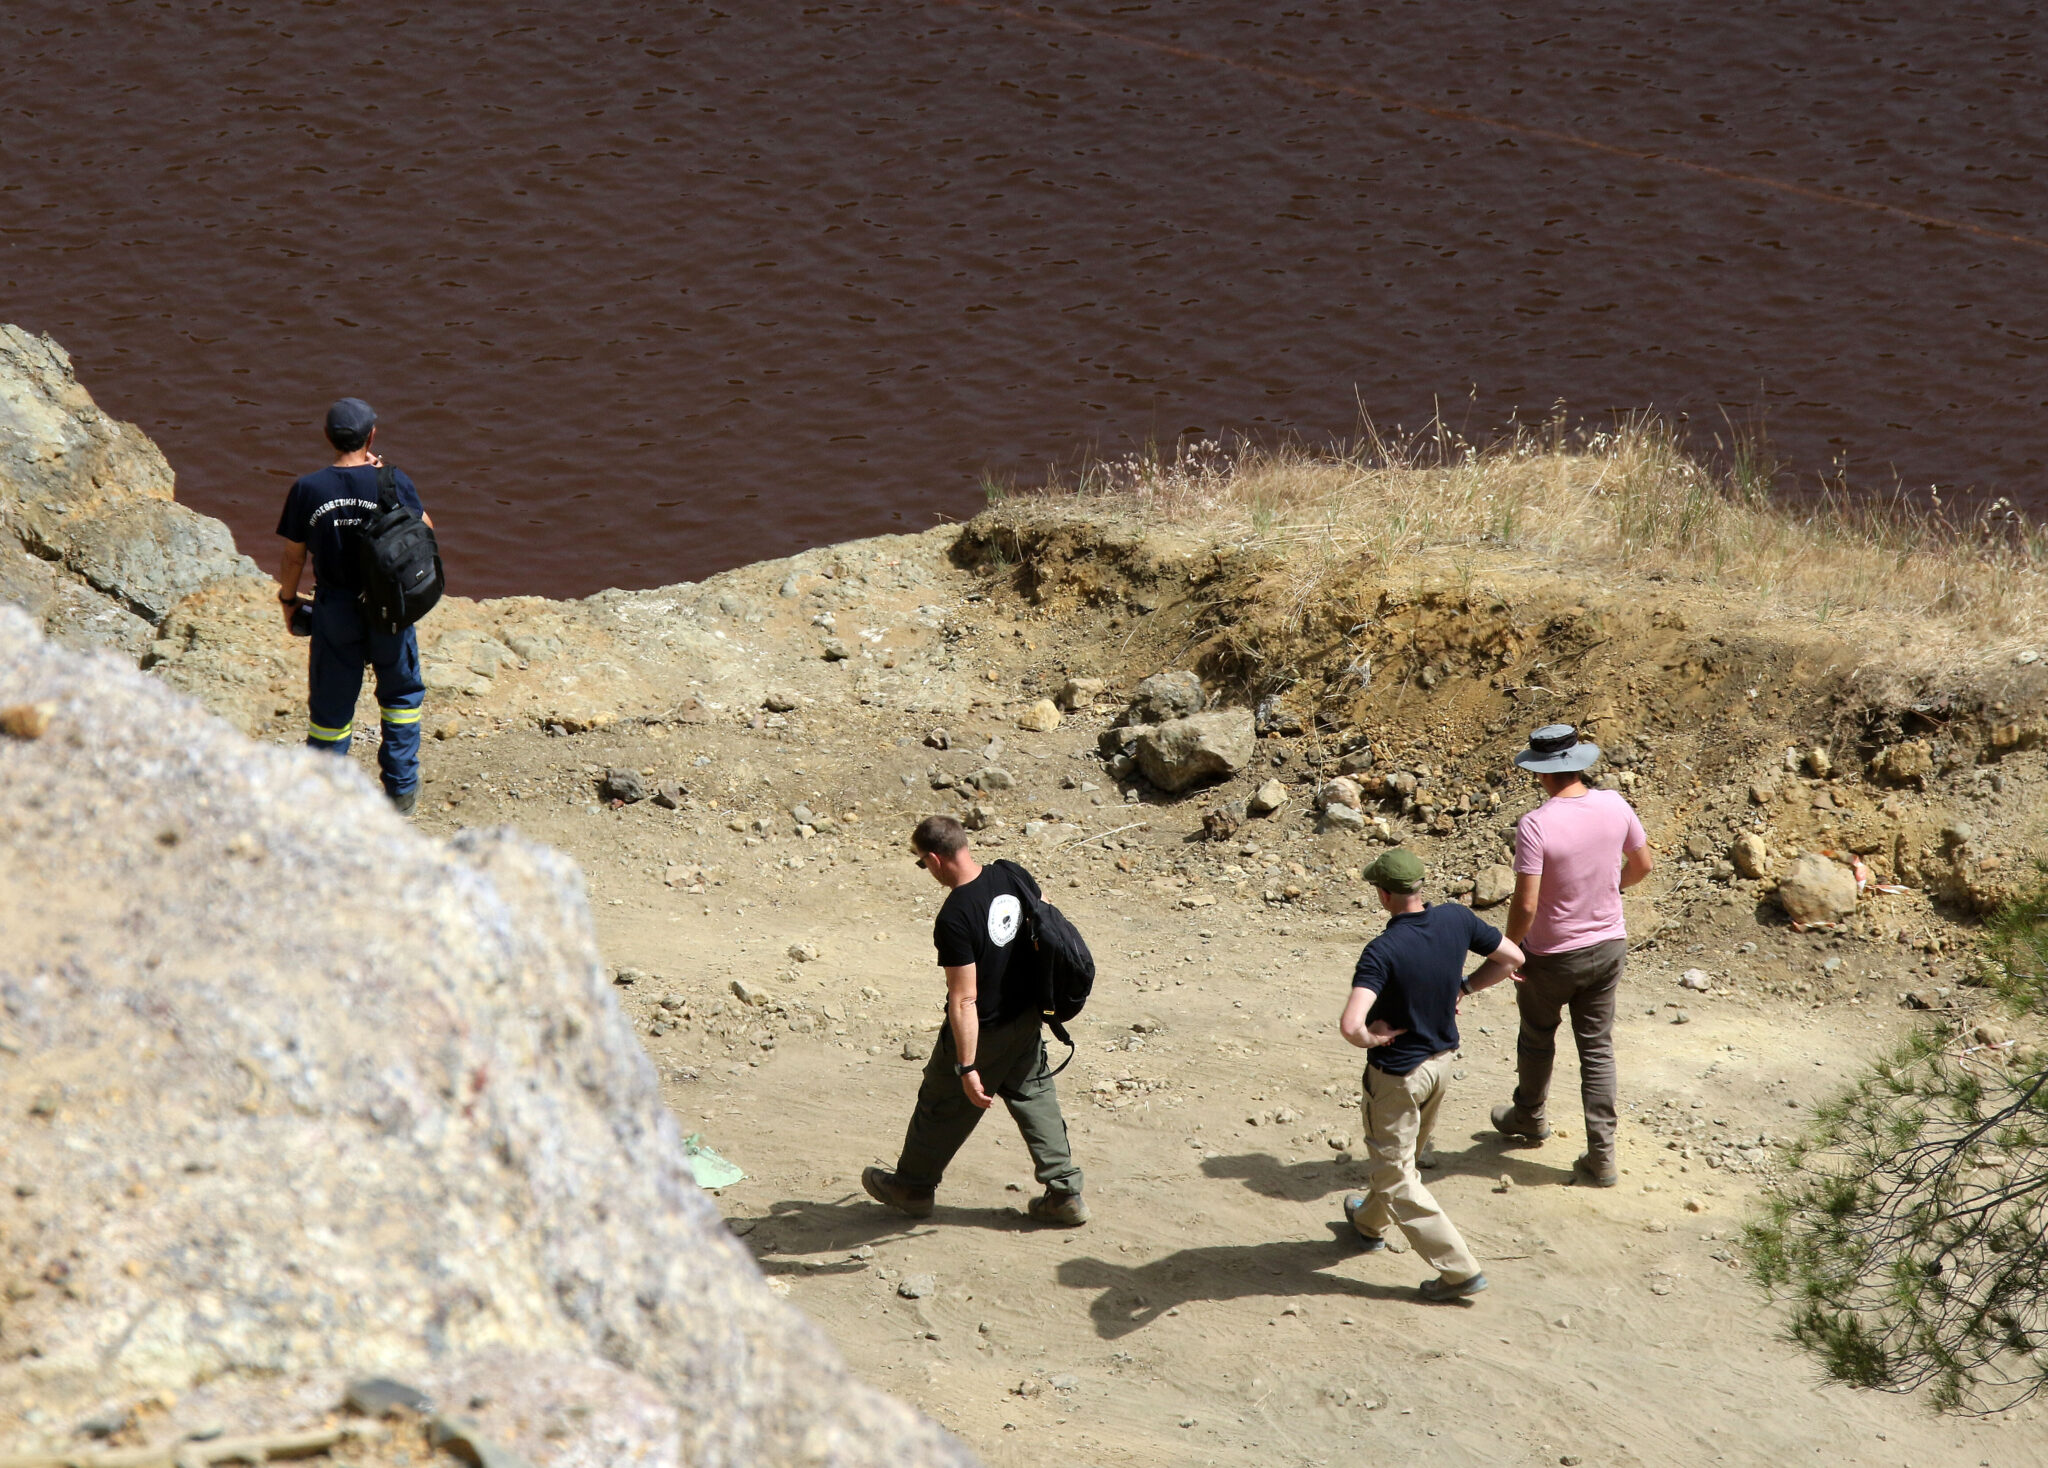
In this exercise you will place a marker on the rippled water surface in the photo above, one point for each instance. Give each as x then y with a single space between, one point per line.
644 290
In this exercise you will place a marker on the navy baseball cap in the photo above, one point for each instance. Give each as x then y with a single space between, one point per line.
349 423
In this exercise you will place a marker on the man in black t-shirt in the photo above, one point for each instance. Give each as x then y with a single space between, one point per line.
990 1045
1403 1013
319 512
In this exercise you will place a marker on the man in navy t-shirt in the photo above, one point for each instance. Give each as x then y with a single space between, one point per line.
318 514
1403 1012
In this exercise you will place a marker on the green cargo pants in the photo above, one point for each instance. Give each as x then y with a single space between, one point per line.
1011 1061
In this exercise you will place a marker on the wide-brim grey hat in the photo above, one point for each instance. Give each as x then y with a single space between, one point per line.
1556 749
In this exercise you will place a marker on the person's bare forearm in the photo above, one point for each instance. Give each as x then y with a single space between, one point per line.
1500 964
1520 919
290 567
966 1022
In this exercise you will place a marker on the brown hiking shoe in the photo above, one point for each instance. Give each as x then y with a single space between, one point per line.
892 1192
1589 1174
1065 1209
1511 1123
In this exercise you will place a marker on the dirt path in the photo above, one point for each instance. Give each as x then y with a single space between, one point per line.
1211 1312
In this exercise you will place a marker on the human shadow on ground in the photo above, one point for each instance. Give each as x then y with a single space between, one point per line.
1490 1157
799 1227
1133 1296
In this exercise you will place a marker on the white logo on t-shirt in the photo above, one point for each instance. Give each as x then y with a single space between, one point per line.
1003 916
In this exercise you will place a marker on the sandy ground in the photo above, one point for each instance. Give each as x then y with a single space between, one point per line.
1211 1312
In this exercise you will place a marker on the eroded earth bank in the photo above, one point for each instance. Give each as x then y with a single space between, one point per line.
734 765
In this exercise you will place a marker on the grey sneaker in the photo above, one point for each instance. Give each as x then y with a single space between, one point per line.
1368 1243
1589 1174
1066 1209
406 801
1440 1289
1511 1123
892 1192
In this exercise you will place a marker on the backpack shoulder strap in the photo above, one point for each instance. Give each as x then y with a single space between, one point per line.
387 487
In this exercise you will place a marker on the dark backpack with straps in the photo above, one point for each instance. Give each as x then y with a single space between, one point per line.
1062 971
397 560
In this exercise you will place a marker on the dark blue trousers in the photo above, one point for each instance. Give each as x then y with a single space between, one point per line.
341 647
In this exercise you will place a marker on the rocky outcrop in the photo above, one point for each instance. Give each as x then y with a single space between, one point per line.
93 495
289 1094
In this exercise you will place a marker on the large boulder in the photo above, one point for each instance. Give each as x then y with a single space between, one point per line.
1184 752
1165 696
290 1094
1815 889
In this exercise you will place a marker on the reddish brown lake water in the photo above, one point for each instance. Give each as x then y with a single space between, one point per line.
646 290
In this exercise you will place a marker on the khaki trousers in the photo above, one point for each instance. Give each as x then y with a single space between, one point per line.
1400 1114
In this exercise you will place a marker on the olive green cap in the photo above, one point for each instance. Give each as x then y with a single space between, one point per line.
1397 870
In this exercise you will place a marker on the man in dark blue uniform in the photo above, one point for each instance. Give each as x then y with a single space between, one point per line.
318 514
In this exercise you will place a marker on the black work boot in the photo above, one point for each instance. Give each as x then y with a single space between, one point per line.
892 1192
405 802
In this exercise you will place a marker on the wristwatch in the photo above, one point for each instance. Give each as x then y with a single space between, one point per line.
961 1070
286 598
1465 987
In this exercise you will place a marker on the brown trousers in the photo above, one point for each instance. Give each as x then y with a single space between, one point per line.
1587 982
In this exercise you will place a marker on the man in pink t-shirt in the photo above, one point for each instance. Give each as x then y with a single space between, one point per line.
1574 854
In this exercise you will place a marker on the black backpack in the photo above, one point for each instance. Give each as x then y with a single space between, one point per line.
1064 970
398 561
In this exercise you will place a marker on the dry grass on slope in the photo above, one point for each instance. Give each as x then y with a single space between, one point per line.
1939 601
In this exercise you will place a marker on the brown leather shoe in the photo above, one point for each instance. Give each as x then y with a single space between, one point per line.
1065 1209
892 1192
1511 1123
1589 1174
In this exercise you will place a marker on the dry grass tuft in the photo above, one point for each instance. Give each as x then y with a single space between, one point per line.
1945 598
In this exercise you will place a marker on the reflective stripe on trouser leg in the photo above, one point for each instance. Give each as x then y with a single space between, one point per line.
325 737
400 693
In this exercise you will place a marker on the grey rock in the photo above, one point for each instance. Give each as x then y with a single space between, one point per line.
1815 889
670 797
918 1287
1343 818
1184 752
1268 798
1118 740
1357 762
1080 693
374 1396
434 1133
623 784
995 777
939 739
834 651
779 700
1165 696
1494 885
